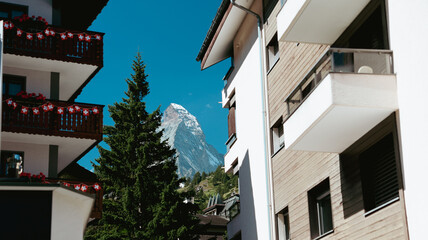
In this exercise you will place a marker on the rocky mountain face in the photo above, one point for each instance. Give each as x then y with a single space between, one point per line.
185 135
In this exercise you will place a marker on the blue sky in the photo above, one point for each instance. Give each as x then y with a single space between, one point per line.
168 35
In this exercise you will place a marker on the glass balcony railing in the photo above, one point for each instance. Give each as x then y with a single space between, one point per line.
355 61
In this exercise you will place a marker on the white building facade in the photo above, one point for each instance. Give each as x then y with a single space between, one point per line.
45 65
318 94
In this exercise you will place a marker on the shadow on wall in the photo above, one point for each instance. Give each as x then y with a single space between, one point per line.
247 216
351 186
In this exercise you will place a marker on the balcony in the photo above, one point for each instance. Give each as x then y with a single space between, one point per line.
76 61
347 93
53 47
74 134
98 203
51 204
316 21
74 125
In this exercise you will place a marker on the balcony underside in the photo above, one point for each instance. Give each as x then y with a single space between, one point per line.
69 149
339 111
73 76
316 21
70 208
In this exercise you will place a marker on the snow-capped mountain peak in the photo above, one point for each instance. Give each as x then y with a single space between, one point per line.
185 134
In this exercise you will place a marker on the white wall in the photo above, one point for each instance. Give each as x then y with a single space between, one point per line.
36 156
70 213
408 37
249 146
37 8
36 82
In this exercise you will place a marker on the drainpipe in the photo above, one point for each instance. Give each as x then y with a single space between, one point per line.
269 194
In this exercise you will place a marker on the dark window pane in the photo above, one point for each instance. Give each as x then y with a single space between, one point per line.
16 13
4 14
326 222
13 84
14 88
287 226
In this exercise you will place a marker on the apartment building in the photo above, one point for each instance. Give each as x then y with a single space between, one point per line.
47 58
326 116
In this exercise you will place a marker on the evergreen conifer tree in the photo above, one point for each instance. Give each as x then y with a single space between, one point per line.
138 173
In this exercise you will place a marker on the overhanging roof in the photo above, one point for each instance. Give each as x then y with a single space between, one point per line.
79 14
217 45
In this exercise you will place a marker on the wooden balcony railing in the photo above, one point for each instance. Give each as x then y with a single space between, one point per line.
53 47
51 123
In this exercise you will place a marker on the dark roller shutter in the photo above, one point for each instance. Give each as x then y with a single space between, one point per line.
379 173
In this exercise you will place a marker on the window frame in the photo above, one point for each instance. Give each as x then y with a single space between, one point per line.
277 136
368 177
272 52
8 79
231 122
6 154
283 224
10 7
351 157
316 195
268 7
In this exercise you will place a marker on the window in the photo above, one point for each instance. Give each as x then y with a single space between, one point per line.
277 136
320 215
284 225
4 171
8 10
12 84
268 6
272 50
379 176
237 236
231 123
